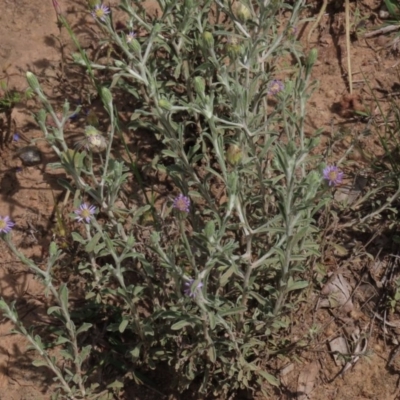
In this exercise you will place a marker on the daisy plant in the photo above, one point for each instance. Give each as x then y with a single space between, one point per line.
193 253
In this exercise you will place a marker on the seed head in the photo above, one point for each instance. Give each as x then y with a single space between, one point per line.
6 224
333 175
182 203
84 213
94 140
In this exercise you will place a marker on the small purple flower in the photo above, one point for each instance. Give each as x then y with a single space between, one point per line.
6 224
100 12
182 203
130 36
333 175
188 288
84 212
16 137
275 86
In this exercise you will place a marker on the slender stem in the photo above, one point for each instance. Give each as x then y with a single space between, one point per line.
349 73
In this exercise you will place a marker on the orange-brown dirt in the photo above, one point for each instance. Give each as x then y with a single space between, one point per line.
31 40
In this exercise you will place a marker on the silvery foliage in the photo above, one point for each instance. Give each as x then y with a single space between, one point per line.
199 74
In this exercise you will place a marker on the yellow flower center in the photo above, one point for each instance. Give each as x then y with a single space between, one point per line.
85 213
3 224
333 175
100 13
275 87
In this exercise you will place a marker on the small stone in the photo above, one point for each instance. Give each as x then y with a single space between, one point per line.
30 155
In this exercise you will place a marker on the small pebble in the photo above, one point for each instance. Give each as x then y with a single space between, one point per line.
30 155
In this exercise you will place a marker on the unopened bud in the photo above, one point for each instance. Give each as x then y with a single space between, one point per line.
312 57
208 39
165 104
242 12
199 85
32 81
135 46
57 7
234 154
106 97
233 48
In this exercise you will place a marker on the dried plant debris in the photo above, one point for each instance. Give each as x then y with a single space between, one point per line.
285 372
351 105
337 292
347 352
338 347
307 379
348 194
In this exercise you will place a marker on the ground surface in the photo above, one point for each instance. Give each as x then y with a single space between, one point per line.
30 40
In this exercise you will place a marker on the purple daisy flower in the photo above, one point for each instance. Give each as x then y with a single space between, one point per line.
100 12
275 86
16 137
333 175
6 224
188 288
84 212
182 203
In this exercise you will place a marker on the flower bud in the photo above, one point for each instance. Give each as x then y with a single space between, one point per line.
242 12
106 97
135 46
312 57
32 81
208 39
233 48
165 104
41 116
199 85
234 154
